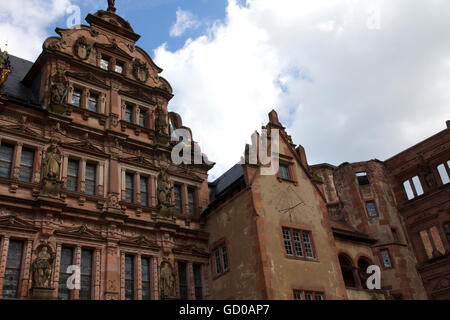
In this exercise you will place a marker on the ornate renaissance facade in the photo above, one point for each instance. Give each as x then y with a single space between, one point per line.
86 177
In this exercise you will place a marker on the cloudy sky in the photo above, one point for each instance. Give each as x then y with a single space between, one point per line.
351 80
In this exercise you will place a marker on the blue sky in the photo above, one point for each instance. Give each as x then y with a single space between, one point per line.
153 19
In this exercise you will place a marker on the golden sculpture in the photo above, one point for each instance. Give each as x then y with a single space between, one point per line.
167 281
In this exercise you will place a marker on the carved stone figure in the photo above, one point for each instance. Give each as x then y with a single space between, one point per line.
58 91
51 183
81 48
5 67
160 121
164 193
42 268
167 281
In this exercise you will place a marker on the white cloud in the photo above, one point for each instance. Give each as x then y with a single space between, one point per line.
24 22
347 86
185 20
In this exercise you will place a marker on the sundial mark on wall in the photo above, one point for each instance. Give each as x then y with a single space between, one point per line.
289 202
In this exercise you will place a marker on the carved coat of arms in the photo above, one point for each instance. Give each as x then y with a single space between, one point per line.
81 48
140 70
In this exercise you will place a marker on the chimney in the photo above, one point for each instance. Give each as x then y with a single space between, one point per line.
302 154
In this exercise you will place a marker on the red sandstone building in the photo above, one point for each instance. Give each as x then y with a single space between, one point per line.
86 180
86 177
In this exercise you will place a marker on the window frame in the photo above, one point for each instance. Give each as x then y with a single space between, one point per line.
80 91
133 276
130 191
301 293
19 270
390 259
60 281
108 62
90 276
218 251
77 177
144 195
94 181
21 165
293 244
179 188
192 204
149 281
198 288
183 285
97 99
12 146
374 206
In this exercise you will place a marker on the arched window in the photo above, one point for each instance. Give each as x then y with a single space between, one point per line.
346 264
363 264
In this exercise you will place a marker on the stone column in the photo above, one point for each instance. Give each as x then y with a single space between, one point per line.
102 103
356 277
123 180
122 276
3 258
138 278
184 199
85 98
112 274
82 174
137 188
76 293
57 269
153 201
97 273
26 280
16 161
100 191
64 166
190 281
37 165
155 277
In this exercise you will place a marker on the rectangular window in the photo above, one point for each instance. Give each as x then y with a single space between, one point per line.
308 244
386 258
284 172
288 242
417 185
443 173
217 262
6 158
72 175
104 64
66 261
198 282
26 165
308 296
224 259
191 200
371 209
408 190
145 269
142 116
13 269
319 296
129 114
178 201
362 178
91 177
86 275
76 97
129 277
182 277
119 67
395 235
144 191
93 102
301 245
426 243
129 188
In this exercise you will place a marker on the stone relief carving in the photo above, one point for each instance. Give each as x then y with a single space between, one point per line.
164 193
42 267
140 70
58 91
51 182
81 48
167 281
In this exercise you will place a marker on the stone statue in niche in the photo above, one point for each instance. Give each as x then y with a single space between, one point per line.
58 91
160 121
140 70
51 182
167 281
42 267
81 48
164 194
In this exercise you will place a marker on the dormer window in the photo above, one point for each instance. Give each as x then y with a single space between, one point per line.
104 63
93 103
362 178
76 97
119 67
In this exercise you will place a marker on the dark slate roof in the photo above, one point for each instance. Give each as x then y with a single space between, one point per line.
226 180
14 86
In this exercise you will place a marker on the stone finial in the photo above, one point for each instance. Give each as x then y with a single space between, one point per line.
273 118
